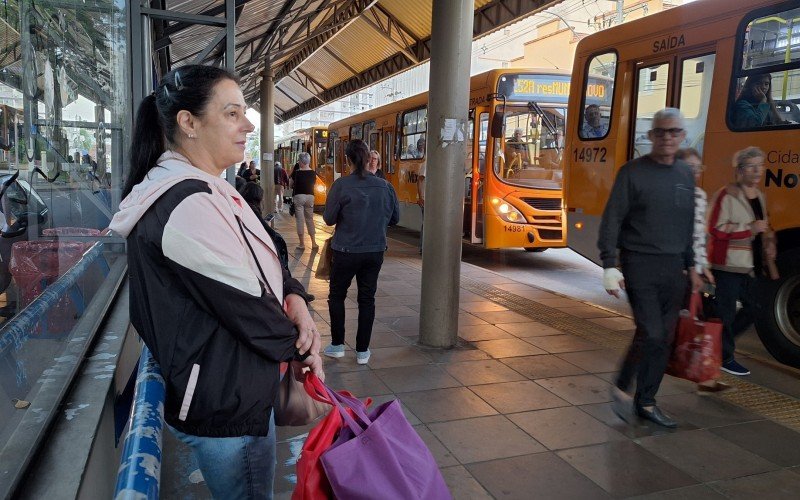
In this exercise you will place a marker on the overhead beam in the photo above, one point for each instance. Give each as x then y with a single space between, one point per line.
488 19
388 37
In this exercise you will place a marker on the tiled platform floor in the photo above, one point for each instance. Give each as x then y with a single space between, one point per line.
521 410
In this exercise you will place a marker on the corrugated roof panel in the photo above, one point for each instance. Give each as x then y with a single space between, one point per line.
325 69
361 34
296 90
416 16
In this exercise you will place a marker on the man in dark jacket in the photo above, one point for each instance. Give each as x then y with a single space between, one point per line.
649 218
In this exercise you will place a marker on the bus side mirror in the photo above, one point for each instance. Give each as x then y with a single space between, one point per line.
497 124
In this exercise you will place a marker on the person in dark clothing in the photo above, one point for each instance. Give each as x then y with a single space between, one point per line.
649 218
253 194
361 206
302 182
252 173
242 169
754 107
281 183
208 293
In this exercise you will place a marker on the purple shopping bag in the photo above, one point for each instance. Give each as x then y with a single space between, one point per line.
380 457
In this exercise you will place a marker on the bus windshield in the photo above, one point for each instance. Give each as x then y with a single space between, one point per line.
529 153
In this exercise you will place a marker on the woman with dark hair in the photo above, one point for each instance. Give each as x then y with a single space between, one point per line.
361 206
242 169
754 107
209 296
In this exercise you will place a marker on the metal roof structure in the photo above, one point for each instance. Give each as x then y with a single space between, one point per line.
318 50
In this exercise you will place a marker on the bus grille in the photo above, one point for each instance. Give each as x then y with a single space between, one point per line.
549 234
544 203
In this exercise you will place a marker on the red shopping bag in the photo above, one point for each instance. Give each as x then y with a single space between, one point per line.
312 483
697 351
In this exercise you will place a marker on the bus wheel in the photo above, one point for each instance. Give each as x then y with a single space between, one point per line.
535 249
778 321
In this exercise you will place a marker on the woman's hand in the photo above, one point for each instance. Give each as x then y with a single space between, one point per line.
709 276
315 363
297 312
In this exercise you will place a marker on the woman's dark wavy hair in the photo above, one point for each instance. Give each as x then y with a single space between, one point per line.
186 88
358 154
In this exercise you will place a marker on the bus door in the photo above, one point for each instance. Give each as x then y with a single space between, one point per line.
387 158
475 177
683 82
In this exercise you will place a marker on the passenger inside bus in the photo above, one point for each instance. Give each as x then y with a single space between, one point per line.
593 127
754 106
517 150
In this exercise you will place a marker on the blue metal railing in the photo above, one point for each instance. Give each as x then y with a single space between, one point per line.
140 466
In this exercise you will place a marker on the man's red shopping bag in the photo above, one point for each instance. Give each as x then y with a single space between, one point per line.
697 351
312 483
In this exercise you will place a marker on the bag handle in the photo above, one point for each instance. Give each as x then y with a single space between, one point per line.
342 402
695 305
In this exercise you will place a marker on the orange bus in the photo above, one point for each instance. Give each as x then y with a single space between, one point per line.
696 58
516 124
314 141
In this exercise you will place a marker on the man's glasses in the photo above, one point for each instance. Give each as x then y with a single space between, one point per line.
661 132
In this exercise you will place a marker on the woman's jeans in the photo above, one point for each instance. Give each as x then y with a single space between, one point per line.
304 211
730 288
236 467
365 267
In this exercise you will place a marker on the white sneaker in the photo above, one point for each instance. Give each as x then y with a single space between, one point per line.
334 351
362 358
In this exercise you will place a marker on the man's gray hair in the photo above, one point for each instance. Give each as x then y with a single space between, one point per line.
740 157
304 158
669 114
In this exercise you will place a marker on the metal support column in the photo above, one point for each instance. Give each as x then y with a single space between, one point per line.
451 46
230 62
268 140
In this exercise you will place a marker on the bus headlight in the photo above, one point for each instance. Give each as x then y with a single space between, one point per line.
507 212
320 188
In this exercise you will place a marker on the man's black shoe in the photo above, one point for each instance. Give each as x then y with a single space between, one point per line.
654 414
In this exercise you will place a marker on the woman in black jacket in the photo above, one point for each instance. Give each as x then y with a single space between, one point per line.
208 295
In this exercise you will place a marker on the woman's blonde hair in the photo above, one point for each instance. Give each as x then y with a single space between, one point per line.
376 154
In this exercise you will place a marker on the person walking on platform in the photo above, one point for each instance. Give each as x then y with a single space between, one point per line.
375 164
208 294
699 243
302 183
649 219
361 206
741 241
281 183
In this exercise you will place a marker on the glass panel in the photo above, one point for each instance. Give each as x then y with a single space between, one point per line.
412 144
366 134
355 132
696 76
772 39
64 123
598 96
767 99
651 97
531 155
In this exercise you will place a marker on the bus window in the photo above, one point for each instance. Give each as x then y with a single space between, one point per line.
598 94
366 134
331 147
696 76
534 139
356 131
414 126
764 97
651 96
